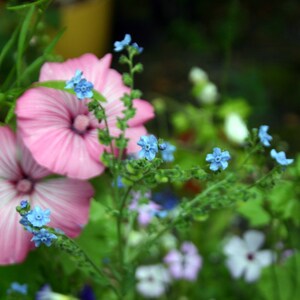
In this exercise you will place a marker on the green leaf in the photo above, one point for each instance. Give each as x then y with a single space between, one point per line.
22 40
26 5
254 211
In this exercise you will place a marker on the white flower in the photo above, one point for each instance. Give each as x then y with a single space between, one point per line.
46 293
209 93
153 280
197 75
243 257
235 128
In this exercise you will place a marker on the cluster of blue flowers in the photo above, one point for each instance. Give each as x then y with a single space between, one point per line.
82 87
34 221
150 148
121 45
265 139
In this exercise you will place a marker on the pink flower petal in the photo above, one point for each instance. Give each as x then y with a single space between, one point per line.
8 155
14 240
68 201
144 113
29 165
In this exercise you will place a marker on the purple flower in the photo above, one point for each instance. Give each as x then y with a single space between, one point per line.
146 211
184 264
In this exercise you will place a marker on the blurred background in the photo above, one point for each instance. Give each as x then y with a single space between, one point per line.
250 49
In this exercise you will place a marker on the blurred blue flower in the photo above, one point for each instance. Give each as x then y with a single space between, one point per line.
167 153
149 147
24 203
120 45
139 49
167 202
15 287
70 84
264 137
218 159
87 293
84 89
166 199
43 236
280 157
37 217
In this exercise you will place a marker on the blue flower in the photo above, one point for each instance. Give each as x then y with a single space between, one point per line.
84 89
139 49
37 217
43 236
264 137
119 46
280 157
70 84
24 204
18 288
149 147
218 159
24 221
167 202
167 153
87 293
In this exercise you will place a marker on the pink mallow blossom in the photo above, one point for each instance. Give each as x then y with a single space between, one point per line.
184 264
21 178
59 130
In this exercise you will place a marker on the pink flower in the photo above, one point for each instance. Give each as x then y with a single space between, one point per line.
184 264
59 130
21 178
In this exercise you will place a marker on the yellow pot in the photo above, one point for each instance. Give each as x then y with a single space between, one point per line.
88 28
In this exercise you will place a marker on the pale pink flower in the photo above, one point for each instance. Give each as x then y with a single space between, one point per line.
59 130
184 264
21 178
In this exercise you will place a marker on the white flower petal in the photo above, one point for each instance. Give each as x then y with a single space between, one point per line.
265 257
252 272
236 266
235 246
254 239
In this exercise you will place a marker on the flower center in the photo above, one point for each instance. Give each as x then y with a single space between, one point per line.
24 186
218 158
250 256
81 123
147 147
38 217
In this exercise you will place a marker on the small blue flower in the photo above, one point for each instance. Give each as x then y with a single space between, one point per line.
24 221
24 204
15 287
139 49
162 146
119 46
149 147
87 293
280 157
167 202
84 89
43 236
37 217
218 159
167 153
264 137
70 84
